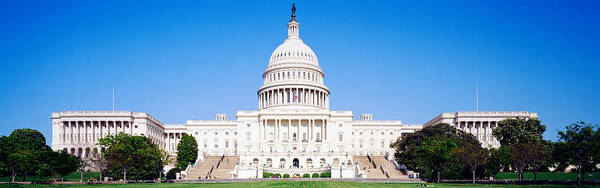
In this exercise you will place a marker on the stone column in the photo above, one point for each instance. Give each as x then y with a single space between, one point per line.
310 125
288 133
326 127
322 130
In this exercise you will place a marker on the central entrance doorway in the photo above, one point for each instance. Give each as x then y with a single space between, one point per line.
296 163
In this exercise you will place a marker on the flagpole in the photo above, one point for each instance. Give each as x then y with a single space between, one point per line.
477 97
113 102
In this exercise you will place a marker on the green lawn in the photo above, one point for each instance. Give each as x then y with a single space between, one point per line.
71 177
544 176
285 184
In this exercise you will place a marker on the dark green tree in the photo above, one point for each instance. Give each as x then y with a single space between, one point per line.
405 148
502 157
24 151
187 151
6 168
435 155
582 145
515 131
136 157
63 163
560 156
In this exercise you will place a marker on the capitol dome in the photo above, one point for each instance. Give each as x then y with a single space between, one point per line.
293 78
293 52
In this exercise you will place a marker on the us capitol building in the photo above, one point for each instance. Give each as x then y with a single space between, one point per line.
292 132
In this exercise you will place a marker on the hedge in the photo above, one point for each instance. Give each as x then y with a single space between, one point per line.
286 176
306 176
315 175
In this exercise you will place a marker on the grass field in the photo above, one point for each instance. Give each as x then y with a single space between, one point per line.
71 177
544 176
283 184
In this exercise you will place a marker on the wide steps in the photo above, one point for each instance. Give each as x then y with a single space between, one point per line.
389 167
365 165
227 165
201 169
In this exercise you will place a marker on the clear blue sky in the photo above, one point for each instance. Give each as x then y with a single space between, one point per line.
400 60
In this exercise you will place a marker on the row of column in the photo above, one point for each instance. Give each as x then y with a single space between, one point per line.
279 126
77 132
293 96
482 130
172 141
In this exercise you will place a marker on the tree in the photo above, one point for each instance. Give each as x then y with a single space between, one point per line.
435 154
560 156
526 143
63 163
528 154
6 166
583 145
136 156
84 161
99 161
187 151
473 156
502 157
406 145
540 158
515 131
165 159
23 152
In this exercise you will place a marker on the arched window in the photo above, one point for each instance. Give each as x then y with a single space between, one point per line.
216 143
281 162
255 162
322 162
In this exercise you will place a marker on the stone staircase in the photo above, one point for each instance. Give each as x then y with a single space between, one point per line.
388 167
225 167
365 165
203 168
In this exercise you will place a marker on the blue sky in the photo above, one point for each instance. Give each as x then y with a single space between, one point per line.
400 60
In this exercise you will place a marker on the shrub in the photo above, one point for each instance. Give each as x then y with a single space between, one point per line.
325 175
172 174
286 176
306 176
315 175
267 175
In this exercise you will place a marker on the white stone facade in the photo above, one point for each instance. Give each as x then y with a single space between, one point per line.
480 124
293 129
